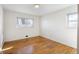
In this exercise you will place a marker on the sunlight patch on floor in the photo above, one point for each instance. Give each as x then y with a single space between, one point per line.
6 48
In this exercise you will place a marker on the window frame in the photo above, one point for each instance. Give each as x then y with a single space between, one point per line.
22 25
73 27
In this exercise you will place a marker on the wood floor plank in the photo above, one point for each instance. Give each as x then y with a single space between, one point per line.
36 45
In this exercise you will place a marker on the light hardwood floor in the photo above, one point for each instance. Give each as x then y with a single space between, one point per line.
36 45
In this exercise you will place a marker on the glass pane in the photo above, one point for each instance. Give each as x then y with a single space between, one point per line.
23 21
72 24
29 22
73 16
19 21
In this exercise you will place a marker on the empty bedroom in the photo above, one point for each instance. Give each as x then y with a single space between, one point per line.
38 29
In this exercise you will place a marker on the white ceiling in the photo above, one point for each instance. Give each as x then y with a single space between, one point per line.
29 8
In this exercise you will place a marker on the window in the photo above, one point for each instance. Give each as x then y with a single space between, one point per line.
72 20
24 22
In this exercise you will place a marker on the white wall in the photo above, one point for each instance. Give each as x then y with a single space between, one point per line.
12 33
1 27
54 27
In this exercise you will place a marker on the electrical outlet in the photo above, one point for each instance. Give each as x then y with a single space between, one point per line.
26 36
